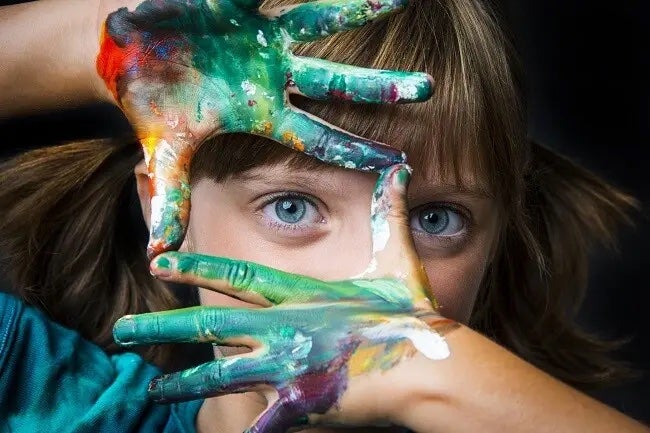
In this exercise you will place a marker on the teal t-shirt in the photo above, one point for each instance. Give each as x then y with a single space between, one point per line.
52 380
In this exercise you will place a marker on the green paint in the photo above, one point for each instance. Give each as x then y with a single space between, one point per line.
184 70
163 262
307 345
321 79
308 22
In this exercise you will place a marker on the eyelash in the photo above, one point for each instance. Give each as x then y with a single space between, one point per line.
430 239
289 195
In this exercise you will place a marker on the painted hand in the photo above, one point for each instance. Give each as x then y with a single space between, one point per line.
186 70
315 339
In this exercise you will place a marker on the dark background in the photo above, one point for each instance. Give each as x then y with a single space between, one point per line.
588 86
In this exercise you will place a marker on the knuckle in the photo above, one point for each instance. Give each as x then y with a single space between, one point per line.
215 377
209 323
242 275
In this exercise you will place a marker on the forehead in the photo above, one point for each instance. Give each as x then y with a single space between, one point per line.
439 147
247 157
298 171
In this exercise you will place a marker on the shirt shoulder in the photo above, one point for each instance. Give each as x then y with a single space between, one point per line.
51 379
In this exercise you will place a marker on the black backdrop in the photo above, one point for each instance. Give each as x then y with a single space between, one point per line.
588 85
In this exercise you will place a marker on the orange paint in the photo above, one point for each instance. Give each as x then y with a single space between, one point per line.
292 139
263 128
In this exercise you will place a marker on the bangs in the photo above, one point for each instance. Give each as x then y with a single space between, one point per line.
471 130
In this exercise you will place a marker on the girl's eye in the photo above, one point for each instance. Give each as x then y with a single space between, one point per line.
438 220
291 211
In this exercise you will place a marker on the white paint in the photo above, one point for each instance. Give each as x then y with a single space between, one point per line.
173 121
406 91
248 87
157 205
261 39
427 341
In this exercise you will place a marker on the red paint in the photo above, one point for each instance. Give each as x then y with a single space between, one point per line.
339 94
392 95
374 6
110 62
114 61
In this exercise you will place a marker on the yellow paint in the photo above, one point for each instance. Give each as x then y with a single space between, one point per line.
367 358
292 139
363 359
149 143
264 128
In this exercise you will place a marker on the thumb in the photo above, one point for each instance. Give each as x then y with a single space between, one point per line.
168 166
393 251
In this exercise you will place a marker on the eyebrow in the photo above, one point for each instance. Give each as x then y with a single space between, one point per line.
300 175
294 177
475 190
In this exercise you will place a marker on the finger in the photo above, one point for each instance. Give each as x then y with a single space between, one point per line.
219 377
322 79
168 167
245 280
394 253
223 326
318 19
389 209
279 417
331 145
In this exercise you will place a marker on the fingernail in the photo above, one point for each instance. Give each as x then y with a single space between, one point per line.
155 390
160 267
124 331
401 176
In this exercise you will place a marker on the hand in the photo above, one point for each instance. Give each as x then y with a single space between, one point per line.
184 71
316 339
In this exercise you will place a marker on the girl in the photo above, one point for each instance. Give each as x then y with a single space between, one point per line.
501 225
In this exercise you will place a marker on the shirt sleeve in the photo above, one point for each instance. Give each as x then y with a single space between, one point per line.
53 380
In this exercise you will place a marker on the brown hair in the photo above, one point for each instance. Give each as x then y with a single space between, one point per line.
68 243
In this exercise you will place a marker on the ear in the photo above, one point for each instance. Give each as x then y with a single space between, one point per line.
144 191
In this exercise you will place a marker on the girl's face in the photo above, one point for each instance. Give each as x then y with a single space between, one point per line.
317 223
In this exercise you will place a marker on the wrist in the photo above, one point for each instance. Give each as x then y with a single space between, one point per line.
425 397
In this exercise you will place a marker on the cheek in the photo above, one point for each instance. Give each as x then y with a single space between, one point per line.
455 283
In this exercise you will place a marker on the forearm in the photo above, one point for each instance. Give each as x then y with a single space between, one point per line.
483 387
47 56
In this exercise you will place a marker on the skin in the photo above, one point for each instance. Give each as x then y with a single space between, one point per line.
183 71
230 218
478 387
382 317
234 218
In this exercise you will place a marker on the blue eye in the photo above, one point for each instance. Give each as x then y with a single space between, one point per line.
290 210
438 220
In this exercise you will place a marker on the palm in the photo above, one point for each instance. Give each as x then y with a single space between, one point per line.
314 338
186 70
